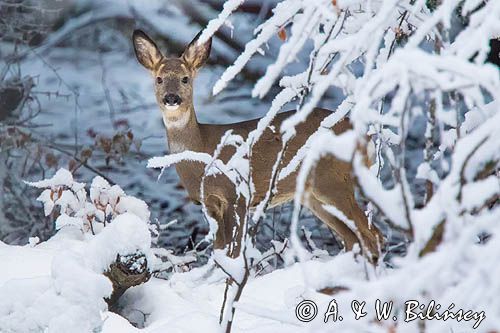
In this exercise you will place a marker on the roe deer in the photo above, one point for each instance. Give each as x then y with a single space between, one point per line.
329 184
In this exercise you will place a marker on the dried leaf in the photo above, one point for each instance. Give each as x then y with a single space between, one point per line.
85 154
122 122
51 160
91 133
72 165
282 34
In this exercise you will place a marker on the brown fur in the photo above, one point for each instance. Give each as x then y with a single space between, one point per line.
330 183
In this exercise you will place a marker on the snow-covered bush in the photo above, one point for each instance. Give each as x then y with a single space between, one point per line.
91 214
412 78
93 233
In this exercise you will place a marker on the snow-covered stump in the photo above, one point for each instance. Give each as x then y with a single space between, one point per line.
126 272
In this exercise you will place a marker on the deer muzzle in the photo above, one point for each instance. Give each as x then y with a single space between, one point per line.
172 101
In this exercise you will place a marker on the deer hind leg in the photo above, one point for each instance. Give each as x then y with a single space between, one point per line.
372 237
368 235
347 236
333 186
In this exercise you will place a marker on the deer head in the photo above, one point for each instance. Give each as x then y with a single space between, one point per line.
173 76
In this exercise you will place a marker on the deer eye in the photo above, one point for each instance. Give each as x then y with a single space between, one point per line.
159 80
185 79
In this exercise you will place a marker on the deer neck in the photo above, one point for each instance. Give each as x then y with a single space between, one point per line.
183 130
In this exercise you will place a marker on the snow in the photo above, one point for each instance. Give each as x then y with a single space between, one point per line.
425 171
127 234
277 20
61 177
58 286
65 220
215 24
183 304
61 190
132 205
300 33
57 291
389 201
166 161
476 194
484 21
44 281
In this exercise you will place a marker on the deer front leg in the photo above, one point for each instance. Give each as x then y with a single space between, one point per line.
234 219
229 216
216 208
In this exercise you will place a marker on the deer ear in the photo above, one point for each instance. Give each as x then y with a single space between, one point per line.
146 51
196 54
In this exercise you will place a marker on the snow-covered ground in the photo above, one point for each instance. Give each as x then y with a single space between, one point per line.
188 302
56 285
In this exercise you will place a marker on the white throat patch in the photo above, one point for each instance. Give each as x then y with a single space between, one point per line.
171 107
176 147
175 119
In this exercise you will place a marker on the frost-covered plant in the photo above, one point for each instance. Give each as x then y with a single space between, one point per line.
404 69
90 212
67 202
86 271
397 63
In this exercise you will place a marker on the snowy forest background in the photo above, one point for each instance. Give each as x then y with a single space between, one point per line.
420 78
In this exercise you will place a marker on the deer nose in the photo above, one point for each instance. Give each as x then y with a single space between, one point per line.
172 99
